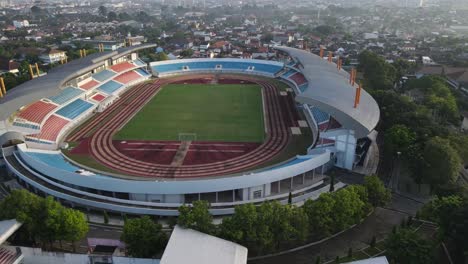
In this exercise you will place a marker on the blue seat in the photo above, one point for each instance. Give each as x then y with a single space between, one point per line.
290 163
54 160
319 115
103 75
164 68
288 73
303 87
139 63
66 95
240 65
110 87
38 141
142 72
25 125
74 109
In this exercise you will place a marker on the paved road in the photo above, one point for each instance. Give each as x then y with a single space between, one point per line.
379 224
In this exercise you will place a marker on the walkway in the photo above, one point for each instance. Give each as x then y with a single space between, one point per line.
378 224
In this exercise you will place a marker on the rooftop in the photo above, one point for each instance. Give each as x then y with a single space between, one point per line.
53 82
330 91
190 246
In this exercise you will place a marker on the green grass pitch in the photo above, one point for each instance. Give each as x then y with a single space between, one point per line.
227 112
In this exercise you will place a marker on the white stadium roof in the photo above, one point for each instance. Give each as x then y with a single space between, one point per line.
53 82
330 91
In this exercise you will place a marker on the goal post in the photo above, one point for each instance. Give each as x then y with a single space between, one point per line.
187 136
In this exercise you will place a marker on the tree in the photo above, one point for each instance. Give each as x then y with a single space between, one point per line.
242 226
262 229
441 162
106 217
24 207
373 242
74 226
161 56
457 232
45 220
50 215
441 211
348 209
398 139
320 214
111 16
438 97
378 74
197 217
102 11
267 37
376 191
186 53
317 260
124 16
405 246
460 143
143 237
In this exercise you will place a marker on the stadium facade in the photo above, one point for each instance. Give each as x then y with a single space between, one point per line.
37 116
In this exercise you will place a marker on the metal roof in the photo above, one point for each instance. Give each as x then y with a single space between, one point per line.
52 83
330 91
190 246
7 228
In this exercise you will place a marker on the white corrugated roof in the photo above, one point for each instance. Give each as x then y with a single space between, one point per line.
377 260
7 228
189 246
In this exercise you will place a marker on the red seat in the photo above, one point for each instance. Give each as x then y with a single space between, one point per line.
37 111
298 78
89 85
121 67
51 128
127 77
98 97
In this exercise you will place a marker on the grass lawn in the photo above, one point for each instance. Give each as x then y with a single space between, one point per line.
228 112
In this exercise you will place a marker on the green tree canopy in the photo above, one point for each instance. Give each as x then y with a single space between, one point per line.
197 217
378 74
457 232
348 209
74 226
320 214
437 97
460 143
441 210
45 220
111 16
144 238
161 56
262 229
407 247
398 139
377 193
102 11
441 162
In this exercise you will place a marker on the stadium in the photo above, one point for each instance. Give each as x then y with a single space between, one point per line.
109 132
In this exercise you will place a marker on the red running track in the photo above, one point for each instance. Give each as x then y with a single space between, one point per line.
103 149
